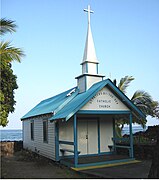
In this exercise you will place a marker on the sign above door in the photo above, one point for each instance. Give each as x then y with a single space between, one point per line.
105 100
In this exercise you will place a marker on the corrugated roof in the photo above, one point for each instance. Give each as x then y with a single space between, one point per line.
75 104
81 99
51 104
66 104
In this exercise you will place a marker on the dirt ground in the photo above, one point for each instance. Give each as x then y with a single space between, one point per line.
24 165
28 165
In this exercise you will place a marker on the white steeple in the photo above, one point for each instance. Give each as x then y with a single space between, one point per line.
89 51
89 63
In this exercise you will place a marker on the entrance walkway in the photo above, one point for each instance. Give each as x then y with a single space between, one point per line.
139 170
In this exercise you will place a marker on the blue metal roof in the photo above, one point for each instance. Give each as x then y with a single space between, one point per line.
64 107
50 105
81 99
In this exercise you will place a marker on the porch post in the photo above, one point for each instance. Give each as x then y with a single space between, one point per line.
131 137
75 142
98 121
114 136
57 141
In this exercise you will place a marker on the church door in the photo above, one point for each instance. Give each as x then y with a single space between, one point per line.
87 136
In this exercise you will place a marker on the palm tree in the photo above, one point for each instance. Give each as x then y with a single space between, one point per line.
7 26
141 99
9 53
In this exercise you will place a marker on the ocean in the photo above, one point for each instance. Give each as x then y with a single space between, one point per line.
134 129
11 135
16 135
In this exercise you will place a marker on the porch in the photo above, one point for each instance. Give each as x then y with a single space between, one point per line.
96 160
71 153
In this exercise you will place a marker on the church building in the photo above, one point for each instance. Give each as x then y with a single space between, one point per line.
77 126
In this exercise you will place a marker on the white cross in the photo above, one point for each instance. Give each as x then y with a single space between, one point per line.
88 11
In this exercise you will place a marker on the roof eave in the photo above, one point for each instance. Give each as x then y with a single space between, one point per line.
129 103
36 116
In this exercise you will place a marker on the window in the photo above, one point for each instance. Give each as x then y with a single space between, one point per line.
45 131
32 130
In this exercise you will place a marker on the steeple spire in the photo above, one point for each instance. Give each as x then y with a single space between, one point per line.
89 63
89 51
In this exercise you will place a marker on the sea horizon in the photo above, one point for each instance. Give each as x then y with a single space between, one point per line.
5 128
11 134
16 134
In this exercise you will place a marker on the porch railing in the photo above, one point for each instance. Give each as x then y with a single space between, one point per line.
118 144
66 142
63 150
121 140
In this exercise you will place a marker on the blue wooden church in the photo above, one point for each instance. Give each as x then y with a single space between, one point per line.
77 127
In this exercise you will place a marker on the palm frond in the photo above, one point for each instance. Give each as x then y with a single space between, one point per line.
140 121
124 83
141 95
9 53
155 106
144 102
7 26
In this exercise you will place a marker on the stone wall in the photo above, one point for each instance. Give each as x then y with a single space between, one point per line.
141 151
9 148
154 170
144 143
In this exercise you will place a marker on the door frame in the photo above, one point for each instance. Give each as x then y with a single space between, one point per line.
97 119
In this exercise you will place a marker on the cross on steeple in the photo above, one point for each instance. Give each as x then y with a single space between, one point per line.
89 51
90 62
89 11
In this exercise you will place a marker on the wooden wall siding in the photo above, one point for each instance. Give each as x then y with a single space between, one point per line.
81 84
106 133
45 149
92 68
66 134
84 68
92 80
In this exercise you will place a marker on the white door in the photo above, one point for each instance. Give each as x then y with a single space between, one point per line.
87 136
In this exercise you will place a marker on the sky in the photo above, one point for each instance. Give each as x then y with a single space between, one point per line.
52 34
